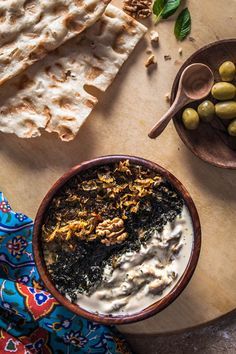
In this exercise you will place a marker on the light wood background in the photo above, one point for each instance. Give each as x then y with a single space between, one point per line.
120 124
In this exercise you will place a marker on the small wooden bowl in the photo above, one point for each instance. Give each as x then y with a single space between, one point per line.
210 142
154 308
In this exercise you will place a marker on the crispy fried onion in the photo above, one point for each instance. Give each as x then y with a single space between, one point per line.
122 188
109 232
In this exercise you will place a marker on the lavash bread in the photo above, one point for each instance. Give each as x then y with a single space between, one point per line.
51 94
29 29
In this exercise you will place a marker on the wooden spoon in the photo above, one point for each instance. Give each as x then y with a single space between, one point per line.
195 83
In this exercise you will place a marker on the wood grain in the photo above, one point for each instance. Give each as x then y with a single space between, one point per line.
210 142
154 308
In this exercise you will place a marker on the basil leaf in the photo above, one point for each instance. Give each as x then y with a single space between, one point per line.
170 8
165 8
183 25
158 8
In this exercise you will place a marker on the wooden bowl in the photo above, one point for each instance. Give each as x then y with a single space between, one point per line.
154 308
210 142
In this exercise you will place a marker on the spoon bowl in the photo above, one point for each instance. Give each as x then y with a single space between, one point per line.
197 81
195 84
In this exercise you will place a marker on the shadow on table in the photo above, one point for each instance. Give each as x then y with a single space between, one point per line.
218 181
218 336
47 150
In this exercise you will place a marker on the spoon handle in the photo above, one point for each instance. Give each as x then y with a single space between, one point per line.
163 122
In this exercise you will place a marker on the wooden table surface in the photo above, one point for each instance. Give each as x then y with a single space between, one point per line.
120 124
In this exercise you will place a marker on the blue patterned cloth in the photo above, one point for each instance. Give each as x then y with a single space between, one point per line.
31 320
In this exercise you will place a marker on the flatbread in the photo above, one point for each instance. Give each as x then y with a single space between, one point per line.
52 94
29 29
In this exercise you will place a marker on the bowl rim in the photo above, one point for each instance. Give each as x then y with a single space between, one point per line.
190 60
156 306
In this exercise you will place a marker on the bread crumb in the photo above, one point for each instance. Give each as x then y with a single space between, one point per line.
154 37
167 97
167 57
180 51
151 60
148 51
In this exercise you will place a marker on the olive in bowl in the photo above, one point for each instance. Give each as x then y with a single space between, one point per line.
206 111
232 128
190 118
223 91
227 71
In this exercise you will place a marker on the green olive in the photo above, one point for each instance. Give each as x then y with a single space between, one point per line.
190 118
227 71
226 110
232 128
223 91
206 111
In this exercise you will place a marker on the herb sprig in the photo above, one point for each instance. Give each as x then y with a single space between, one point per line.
183 25
163 9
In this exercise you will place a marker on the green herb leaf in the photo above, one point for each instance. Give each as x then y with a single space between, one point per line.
170 8
165 8
158 8
183 25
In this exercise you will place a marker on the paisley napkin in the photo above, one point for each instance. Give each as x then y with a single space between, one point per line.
31 320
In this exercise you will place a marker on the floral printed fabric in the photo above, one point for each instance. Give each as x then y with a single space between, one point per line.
31 320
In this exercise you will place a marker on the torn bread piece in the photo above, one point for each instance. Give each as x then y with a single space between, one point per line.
52 94
29 29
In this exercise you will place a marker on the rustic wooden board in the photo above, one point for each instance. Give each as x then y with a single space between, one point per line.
120 124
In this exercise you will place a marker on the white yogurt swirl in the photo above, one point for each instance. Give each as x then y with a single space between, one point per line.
144 277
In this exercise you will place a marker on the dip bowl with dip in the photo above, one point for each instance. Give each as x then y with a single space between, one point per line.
116 239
